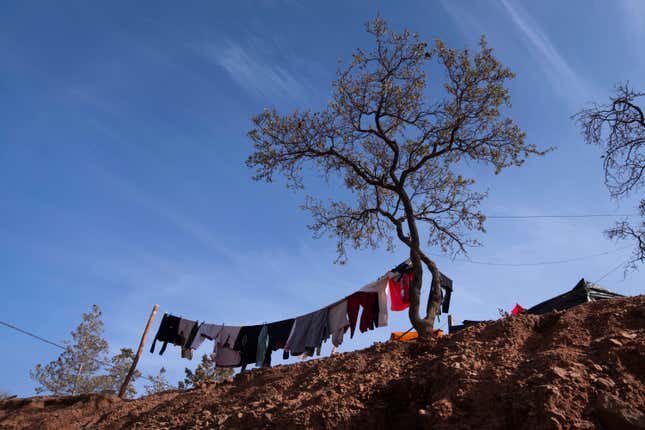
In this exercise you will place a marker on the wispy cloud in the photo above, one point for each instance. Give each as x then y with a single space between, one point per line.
470 27
562 77
568 83
252 71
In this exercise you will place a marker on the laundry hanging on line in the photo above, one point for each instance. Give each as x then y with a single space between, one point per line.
278 335
308 334
187 331
168 332
235 346
369 315
223 338
338 322
400 281
247 344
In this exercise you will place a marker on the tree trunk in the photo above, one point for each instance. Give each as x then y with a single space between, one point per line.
423 326
434 299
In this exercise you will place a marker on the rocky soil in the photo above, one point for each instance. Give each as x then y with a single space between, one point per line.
583 368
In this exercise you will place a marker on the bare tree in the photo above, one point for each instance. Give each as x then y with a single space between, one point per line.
619 128
401 157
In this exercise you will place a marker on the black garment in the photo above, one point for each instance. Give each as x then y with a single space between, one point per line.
278 334
402 268
446 284
168 332
247 344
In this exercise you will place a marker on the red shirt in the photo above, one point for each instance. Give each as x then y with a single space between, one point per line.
400 292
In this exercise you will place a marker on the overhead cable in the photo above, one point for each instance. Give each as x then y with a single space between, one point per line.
42 339
560 216
610 272
537 263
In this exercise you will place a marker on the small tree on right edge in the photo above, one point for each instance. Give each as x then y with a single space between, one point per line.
619 128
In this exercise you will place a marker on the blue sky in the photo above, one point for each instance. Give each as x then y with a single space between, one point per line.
122 147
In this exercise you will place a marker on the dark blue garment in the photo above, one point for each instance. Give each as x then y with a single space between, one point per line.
247 344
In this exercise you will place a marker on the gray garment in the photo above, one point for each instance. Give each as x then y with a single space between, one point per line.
263 339
309 332
184 328
206 331
338 322
224 338
225 356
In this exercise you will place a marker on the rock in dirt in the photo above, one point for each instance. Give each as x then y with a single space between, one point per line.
615 414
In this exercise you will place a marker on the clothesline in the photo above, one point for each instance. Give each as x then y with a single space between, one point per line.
235 346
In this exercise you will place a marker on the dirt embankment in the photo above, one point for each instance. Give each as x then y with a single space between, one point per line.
583 368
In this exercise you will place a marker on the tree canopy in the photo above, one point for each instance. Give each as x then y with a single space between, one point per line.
401 148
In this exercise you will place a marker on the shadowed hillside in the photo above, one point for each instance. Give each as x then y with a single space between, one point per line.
582 368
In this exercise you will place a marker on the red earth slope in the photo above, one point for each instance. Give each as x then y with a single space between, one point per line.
582 368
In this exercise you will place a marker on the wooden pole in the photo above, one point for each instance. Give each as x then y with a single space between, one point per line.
449 323
124 386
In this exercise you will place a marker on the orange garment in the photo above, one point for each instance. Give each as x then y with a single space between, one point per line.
404 337
411 335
